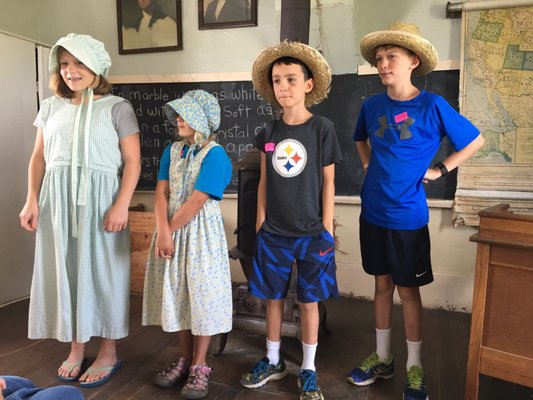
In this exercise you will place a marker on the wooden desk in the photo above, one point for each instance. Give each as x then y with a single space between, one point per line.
501 332
142 226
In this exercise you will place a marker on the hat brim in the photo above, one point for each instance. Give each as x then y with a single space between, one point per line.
421 47
306 54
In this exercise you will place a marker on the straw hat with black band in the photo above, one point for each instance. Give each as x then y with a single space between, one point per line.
261 71
404 35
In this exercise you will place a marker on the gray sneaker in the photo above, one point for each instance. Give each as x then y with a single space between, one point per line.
263 372
173 374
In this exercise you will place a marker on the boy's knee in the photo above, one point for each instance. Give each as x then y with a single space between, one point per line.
384 285
308 307
409 293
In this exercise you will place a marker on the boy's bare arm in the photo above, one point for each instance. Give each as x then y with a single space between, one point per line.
363 149
456 158
328 197
261 195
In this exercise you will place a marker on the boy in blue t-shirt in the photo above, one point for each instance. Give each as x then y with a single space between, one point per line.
295 203
397 134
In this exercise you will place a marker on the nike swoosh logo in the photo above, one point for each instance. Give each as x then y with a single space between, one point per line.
323 253
419 275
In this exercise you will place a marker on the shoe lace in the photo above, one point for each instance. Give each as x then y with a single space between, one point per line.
370 362
310 382
415 377
174 370
198 378
259 368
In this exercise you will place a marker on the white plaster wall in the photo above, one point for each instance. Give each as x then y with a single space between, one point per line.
21 18
429 15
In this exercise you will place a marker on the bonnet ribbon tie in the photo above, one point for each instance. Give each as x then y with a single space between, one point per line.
189 157
79 187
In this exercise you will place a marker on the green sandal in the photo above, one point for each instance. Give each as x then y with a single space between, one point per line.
112 370
71 368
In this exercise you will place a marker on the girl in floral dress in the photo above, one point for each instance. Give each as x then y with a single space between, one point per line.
188 284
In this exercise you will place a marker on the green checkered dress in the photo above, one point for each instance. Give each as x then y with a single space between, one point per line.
80 284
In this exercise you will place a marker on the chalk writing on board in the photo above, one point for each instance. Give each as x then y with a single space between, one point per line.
243 114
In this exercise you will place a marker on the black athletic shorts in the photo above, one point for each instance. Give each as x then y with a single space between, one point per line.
405 254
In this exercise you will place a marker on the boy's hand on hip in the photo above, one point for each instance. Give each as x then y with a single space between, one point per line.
432 174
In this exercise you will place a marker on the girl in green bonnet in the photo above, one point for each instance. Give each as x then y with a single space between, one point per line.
187 288
82 174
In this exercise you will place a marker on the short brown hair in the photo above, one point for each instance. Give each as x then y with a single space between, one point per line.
390 46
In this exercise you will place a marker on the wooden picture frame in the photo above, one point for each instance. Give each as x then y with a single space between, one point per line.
233 14
147 26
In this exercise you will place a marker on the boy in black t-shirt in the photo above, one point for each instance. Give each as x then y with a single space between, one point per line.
295 204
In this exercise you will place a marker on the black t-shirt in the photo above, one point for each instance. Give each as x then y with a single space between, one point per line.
295 156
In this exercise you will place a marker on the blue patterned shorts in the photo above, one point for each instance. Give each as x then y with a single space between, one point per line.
273 260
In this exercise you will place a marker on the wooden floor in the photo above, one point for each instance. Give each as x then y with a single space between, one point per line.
148 349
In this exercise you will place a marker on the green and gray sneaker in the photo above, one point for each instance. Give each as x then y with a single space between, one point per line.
372 368
308 384
415 389
263 372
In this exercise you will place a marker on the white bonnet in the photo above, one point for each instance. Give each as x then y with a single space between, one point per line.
85 48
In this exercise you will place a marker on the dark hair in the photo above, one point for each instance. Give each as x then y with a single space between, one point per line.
132 14
58 86
308 74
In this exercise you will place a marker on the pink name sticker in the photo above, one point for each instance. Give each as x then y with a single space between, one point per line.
270 146
401 117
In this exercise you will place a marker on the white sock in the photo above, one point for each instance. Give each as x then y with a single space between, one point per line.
414 349
383 338
309 351
273 351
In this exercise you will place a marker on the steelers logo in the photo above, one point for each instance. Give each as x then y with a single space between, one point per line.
289 158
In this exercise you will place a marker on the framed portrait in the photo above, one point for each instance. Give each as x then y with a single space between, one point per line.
147 26
221 14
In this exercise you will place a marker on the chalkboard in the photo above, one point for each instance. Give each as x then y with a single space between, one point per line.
244 113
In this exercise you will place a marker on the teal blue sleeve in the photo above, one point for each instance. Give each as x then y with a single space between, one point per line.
215 173
164 165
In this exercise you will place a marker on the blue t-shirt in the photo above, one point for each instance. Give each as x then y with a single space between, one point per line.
215 173
404 137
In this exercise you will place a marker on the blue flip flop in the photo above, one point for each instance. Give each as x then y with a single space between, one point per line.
70 369
103 380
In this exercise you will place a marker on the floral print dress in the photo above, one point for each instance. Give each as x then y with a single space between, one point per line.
193 289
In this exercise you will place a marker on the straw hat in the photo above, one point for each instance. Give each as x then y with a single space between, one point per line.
404 35
309 56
